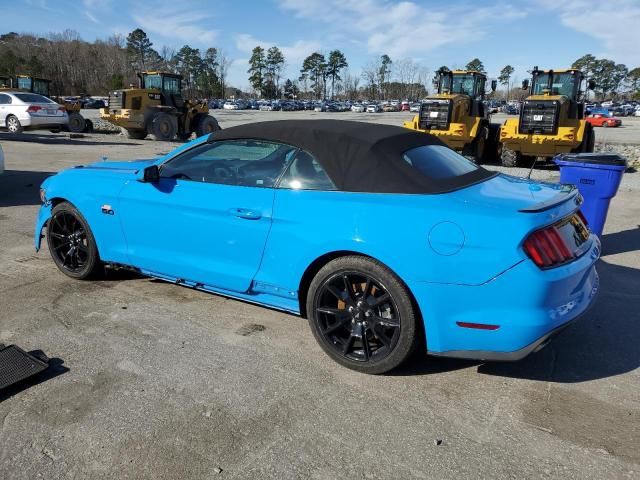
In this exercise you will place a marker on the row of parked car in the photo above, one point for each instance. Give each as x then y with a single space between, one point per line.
317 105
617 109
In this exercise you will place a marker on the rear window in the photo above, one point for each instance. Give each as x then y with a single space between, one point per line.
438 162
32 98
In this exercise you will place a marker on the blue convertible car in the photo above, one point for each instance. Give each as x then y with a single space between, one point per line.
383 238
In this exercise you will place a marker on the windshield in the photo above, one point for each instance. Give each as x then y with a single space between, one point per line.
153 81
32 98
463 84
438 162
563 84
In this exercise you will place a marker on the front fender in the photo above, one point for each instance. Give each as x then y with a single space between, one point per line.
44 214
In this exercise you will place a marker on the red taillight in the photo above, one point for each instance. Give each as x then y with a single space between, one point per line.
33 108
547 248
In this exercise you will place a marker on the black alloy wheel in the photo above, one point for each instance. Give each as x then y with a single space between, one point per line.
71 242
362 315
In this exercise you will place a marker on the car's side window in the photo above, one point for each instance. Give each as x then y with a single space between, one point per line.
5 99
246 162
305 173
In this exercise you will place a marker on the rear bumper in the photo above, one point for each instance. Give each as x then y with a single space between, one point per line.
41 121
525 304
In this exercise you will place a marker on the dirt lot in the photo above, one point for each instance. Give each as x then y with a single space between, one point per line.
164 382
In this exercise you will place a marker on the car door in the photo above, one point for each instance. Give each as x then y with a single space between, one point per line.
207 219
5 104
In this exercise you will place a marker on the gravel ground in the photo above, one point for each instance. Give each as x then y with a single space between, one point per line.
164 382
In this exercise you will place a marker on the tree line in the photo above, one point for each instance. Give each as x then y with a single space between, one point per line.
76 66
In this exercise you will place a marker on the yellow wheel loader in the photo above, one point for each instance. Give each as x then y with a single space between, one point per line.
458 116
157 107
42 86
551 119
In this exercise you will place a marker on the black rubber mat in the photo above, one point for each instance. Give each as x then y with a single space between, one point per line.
16 365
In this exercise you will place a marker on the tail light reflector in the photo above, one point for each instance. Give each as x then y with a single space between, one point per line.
34 108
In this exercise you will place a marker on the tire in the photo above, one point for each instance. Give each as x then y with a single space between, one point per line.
136 134
588 140
492 149
205 125
377 303
13 124
163 127
71 243
480 145
76 123
88 126
604 125
591 143
509 157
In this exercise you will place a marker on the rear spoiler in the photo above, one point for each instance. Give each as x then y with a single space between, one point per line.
566 193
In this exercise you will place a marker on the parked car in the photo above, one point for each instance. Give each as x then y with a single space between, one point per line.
228 213
374 108
415 107
390 107
94 103
230 105
358 108
405 107
20 110
603 120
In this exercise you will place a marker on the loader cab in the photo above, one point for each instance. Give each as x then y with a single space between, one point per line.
470 83
169 84
564 82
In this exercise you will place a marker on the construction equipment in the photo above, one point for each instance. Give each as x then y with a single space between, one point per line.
457 114
551 119
42 86
157 107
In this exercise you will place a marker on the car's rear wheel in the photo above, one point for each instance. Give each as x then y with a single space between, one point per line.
362 315
14 125
604 124
71 243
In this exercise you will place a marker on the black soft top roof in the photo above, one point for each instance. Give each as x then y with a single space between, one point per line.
357 156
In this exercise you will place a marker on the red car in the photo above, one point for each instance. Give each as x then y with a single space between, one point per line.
603 120
405 107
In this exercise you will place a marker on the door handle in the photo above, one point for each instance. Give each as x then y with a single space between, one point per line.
245 213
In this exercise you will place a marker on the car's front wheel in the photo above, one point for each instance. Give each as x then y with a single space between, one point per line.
362 315
71 243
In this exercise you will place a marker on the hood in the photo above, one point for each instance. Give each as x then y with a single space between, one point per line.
517 194
123 166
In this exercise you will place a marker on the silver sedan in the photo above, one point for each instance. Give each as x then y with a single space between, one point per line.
22 110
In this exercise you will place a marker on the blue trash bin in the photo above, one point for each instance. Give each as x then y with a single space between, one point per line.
597 176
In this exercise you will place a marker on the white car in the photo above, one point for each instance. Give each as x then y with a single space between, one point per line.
358 108
1 161
21 110
230 106
374 108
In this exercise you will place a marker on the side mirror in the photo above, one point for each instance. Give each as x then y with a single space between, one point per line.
494 85
525 84
150 174
591 84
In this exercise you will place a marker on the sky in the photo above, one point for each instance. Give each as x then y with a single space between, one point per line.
546 33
